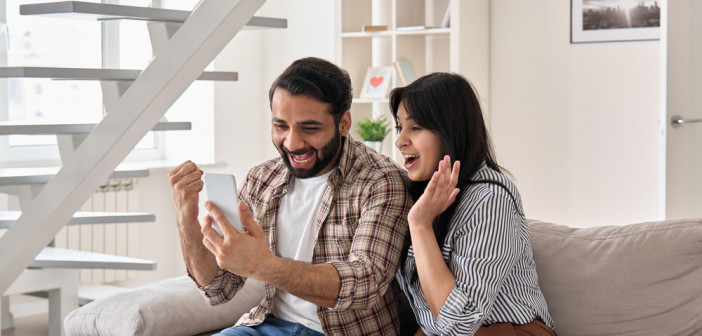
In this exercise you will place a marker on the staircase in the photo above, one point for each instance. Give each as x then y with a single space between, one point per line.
184 44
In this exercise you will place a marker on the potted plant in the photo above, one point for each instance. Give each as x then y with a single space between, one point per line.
373 131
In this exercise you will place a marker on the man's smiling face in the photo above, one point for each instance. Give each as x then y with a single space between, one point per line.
305 133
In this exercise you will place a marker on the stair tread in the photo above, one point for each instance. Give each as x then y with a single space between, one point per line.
102 11
42 175
7 128
83 218
53 257
97 73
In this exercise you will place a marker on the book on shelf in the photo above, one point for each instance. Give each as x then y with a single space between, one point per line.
374 28
446 22
409 28
405 72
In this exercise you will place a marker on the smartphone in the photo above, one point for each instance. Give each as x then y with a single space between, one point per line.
221 190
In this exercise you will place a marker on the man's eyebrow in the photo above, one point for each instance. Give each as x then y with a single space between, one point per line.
278 120
310 123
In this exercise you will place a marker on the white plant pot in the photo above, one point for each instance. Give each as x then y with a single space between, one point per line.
376 145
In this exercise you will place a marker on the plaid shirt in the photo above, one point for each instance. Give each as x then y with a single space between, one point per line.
362 225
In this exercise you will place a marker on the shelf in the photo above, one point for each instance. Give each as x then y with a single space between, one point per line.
83 218
16 128
101 11
399 32
96 74
52 257
425 32
382 33
42 175
370 100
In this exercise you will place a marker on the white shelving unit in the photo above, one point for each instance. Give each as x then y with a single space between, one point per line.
462 47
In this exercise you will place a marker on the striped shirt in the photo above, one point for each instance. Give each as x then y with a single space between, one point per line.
487 249
362 225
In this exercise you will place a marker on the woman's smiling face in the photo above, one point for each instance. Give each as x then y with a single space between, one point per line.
420 147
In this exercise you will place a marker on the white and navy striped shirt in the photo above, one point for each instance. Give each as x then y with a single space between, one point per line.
487 249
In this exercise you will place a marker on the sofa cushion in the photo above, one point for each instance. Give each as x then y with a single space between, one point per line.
168 307
638 279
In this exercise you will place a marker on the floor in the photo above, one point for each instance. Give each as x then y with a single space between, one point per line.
35 325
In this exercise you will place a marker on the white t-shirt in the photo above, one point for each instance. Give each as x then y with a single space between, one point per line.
296 233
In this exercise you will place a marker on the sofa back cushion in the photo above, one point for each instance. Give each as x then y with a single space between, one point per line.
638 279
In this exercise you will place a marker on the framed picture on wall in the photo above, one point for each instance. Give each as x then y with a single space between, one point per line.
377 82
594 21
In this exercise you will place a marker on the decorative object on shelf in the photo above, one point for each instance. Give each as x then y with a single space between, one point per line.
405 72
614 20
372 28
377 82
373 131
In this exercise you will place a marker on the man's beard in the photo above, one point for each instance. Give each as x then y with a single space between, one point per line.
328 153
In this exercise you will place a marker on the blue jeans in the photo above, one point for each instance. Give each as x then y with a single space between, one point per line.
270 326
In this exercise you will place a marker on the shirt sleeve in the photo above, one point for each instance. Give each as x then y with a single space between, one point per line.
222 288
485 250
377 245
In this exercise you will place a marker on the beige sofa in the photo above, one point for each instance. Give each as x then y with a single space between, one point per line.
638 279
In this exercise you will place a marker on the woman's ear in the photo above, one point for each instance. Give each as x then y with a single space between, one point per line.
345 124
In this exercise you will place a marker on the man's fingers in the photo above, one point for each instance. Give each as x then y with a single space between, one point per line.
210 236
249 222
224 225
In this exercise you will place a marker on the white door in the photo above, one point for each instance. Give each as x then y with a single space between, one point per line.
684 99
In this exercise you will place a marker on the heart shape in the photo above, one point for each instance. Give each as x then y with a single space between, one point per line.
376 81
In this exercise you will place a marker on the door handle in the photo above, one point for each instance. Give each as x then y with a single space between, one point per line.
677 121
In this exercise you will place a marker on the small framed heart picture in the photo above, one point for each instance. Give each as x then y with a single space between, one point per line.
377 82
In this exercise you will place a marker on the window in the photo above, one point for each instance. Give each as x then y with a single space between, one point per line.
56 42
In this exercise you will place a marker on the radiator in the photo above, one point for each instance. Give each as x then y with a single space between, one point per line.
117 195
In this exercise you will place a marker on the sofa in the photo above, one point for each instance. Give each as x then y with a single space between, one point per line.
637 279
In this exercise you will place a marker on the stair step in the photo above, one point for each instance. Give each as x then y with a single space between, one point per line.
83 218
102 11
42 175
8 128
52 257
97 74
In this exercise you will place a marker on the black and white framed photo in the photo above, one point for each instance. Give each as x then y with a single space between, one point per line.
614 20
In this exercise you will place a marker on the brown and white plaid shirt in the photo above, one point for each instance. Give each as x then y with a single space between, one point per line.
362 225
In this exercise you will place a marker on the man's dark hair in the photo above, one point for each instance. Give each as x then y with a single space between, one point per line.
319 79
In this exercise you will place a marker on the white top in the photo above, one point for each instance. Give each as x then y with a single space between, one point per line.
296 233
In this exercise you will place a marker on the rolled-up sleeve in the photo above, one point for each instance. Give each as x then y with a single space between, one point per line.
377 244
222 288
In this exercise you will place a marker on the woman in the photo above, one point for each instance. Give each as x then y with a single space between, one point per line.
469 269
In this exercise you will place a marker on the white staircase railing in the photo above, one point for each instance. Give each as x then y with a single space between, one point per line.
179 62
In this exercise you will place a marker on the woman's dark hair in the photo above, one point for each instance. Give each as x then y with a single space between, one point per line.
447 105
319 79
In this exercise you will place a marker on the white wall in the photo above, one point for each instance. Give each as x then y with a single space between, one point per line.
576 124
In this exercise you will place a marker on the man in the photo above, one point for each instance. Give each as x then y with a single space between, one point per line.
325 223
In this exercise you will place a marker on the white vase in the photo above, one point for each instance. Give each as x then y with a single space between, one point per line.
376 145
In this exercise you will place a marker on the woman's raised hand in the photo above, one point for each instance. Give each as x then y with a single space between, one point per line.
439 194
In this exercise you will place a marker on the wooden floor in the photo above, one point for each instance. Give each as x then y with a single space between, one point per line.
35 325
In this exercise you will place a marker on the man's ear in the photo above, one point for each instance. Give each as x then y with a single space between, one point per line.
345 124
